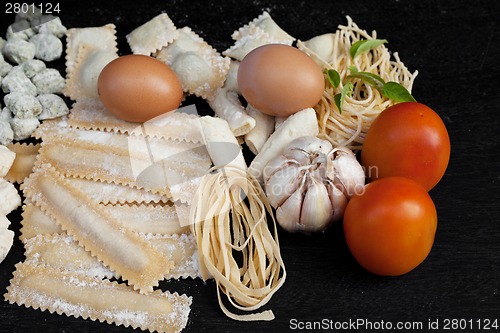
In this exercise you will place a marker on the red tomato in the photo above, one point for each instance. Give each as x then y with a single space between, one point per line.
390 227
409 140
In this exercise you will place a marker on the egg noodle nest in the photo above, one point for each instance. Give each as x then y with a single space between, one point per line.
349 127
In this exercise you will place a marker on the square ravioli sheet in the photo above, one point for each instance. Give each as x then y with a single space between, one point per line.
199 66
152 35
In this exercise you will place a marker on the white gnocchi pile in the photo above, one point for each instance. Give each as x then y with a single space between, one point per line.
31 89
31 94
10 200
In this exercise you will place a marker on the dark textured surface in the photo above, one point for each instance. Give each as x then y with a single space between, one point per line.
455 47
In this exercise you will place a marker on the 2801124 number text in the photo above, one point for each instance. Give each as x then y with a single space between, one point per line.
470 324
26 8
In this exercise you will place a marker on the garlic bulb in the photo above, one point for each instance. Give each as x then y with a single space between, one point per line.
310 183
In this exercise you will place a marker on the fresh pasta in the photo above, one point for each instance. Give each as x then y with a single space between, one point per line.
331 51
225 223
228 216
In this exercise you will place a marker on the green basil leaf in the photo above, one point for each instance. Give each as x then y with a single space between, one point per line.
396 92
336 98
370 78
333 77
353 69
339 98
365 45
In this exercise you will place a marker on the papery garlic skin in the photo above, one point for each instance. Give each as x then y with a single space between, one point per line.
310 184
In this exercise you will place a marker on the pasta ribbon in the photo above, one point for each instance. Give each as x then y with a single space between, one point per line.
229 221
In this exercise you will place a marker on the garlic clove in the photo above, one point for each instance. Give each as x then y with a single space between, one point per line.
282 184
317 208
288 214
300 156
344 151
349 173
338 200
274 165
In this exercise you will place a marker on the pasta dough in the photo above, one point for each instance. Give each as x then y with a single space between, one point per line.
200 68
103 38
24 162
226 104
88 51
76 295
261 31
36 222
7 158
91 114
264 127
134 146
45 250
111 193
223 223
81 82
159 220
98 232
152 35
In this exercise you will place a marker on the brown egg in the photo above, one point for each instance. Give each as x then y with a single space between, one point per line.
280 80
138 88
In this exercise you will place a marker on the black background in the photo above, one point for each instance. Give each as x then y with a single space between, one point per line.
455 47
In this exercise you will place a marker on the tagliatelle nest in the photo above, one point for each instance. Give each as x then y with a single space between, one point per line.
229 214
331 51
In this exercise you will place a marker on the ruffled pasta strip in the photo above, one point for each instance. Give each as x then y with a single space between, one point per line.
86 297
158 219
331 51
91 114
45 250
75 159
36 222
135 146
161 220
24 162
111 193
99 233
224 222
182 250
